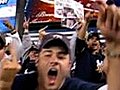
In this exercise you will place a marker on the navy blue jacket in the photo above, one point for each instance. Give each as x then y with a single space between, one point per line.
29 82
86 63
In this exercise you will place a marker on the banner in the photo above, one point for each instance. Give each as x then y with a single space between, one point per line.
7 12
42 11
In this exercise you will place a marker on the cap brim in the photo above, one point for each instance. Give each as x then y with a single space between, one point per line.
56 43
93 35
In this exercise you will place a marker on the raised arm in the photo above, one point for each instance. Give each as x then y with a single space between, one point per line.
81 33
26 39
9 68
109 24
42 32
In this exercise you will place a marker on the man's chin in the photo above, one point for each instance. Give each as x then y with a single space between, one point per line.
52 87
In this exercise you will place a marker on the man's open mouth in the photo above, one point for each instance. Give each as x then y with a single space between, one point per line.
94 44
52 75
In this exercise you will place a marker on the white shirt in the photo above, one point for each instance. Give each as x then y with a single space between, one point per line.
105 87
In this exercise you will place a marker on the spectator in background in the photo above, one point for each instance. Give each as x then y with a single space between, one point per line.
87 53
27 38
15 38
30 54
29 58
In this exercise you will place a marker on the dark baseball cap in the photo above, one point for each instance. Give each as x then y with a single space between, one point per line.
2 40
93 34
56 39
33 47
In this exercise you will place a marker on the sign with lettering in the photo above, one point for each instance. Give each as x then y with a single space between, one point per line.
42 11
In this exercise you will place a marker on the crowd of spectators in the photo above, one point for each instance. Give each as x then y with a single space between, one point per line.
56 63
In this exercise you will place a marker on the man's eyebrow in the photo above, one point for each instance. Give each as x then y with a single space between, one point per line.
46 50
63 52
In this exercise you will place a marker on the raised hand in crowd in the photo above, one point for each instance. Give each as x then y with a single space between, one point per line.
26 25
109 24
42 32
9 68
81 33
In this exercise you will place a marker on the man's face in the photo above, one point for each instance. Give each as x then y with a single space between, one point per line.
93 43
53 67
33 55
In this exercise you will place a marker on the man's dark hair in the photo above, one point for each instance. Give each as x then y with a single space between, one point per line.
93 34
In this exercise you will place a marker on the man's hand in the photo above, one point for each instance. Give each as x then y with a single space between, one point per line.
26 24
81 32
9 68
89 16
109 22
42 32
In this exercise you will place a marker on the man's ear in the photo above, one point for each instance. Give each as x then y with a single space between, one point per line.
36 61
70 64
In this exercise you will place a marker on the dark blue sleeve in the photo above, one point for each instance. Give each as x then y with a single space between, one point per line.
77 84
80 46
25 82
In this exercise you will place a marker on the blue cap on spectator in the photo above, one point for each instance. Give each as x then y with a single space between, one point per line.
92 34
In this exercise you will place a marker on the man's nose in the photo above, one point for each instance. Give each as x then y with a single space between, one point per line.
94 40
54 61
